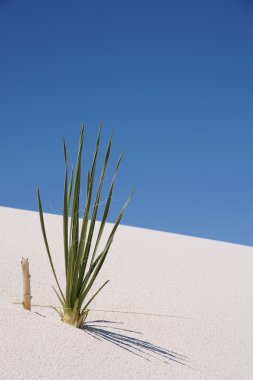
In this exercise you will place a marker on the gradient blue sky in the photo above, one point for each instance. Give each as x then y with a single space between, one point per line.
172 79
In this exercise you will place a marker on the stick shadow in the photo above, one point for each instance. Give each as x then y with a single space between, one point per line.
101 330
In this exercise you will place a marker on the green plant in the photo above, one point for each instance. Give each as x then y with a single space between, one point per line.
82 264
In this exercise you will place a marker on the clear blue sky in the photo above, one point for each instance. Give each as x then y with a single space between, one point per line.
172 79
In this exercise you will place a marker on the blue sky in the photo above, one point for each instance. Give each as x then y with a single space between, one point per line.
172 79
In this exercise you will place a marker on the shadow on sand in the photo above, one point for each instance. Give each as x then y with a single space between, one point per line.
101 330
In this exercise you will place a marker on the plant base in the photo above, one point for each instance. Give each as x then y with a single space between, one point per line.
74 318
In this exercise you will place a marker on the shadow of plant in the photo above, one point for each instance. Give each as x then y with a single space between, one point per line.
99 329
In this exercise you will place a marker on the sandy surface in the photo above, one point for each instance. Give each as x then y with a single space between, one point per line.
201 291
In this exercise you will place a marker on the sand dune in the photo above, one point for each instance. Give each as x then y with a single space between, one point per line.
186 306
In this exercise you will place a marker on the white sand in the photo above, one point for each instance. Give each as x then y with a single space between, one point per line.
204 287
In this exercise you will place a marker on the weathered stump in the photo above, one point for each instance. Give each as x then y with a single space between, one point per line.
26 284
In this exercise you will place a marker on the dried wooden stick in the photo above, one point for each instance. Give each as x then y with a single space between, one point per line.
26 285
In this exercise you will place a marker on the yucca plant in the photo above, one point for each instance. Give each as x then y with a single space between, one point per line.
82 263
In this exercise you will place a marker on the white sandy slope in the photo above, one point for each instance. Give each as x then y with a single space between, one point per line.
203 288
